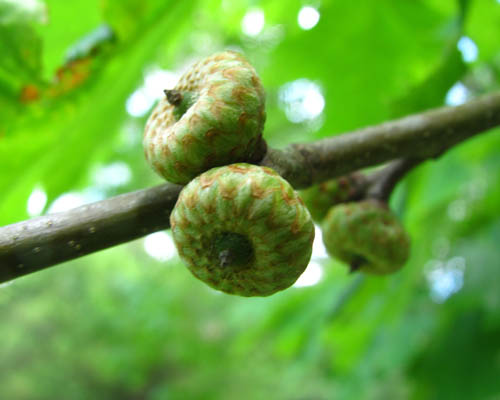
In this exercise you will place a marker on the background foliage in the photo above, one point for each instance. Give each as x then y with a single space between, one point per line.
77 80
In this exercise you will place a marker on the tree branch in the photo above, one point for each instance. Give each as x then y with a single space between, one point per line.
41 242
424 135
384 181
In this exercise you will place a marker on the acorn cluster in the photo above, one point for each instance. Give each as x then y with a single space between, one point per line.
240 228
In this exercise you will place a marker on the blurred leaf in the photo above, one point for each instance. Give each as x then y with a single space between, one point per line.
483 24
364 60
130 17
432 91
67 23
22 49
87 122
463 361
20 63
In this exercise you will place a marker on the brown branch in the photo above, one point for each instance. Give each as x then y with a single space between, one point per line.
41 242
383 182
424 135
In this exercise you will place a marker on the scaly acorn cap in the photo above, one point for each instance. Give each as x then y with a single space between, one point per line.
243 230
214 116
320 198
367 236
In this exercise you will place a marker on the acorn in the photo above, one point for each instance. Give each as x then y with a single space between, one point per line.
320 198
367 236
243 230
214 116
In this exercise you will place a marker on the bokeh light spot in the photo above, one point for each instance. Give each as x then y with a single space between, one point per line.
445 278
301 100
319 249
36 202
112 175
468 48
68 201
143 99
308 17
458 94
311 276
253 22
160 246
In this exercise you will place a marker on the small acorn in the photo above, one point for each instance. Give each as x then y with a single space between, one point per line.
214 116
243 230
320 198
367 236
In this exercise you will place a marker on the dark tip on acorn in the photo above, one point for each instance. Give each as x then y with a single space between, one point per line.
174 97
356 263
224 258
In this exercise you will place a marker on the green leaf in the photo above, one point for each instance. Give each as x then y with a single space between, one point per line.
365 57
20 64
75 129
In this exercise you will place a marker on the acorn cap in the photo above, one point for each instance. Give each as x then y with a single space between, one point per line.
213 116
367 236
242 229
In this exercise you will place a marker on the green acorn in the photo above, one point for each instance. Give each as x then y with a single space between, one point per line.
242 229
214 116
367 236
320 198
